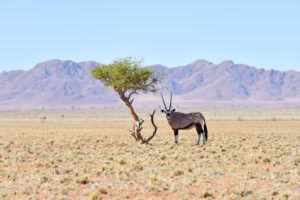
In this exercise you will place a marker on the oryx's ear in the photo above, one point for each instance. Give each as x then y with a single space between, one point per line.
162 111
173 110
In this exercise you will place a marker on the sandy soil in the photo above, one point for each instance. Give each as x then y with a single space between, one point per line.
72 155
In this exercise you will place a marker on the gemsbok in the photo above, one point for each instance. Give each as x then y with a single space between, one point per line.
184 121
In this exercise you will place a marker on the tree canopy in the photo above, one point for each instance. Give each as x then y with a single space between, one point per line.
127 75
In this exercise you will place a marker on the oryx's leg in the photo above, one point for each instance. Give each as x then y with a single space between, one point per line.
199 135
198 141
200 131
176 135
204 139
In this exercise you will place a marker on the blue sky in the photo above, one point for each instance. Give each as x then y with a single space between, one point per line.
265 34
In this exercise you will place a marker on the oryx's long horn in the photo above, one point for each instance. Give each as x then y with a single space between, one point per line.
163 101
170 102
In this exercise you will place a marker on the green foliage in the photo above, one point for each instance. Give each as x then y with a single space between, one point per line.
127 75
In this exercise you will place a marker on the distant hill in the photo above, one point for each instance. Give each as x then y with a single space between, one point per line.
67 84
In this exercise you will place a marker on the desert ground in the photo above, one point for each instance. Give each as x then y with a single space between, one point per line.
89 154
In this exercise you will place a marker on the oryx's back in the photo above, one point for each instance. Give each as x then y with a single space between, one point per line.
180 120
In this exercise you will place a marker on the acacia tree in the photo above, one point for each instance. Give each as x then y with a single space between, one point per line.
127 77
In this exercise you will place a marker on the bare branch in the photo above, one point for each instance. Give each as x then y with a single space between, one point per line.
137 129
133 132
131 101
131 93
133 135
139 136
141 121
155 128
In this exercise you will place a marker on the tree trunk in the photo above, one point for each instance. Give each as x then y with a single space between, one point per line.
137 126
129 105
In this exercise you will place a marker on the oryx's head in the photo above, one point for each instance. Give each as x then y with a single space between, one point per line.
167 111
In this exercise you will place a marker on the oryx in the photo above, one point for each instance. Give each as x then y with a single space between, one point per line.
185 121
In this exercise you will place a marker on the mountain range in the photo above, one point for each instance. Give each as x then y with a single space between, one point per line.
57 84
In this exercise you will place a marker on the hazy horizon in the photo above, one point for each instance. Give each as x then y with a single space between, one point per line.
45 61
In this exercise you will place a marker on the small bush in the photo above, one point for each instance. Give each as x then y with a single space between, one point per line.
95 196
65 180
122 162
44 179
178 173
266 160
103 190
207 194
82 180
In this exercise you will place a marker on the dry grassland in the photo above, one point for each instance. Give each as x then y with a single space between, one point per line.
250 154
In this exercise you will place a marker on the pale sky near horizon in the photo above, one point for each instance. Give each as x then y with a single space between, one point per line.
264 34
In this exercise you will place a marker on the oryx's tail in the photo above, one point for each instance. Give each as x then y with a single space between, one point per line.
205 130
